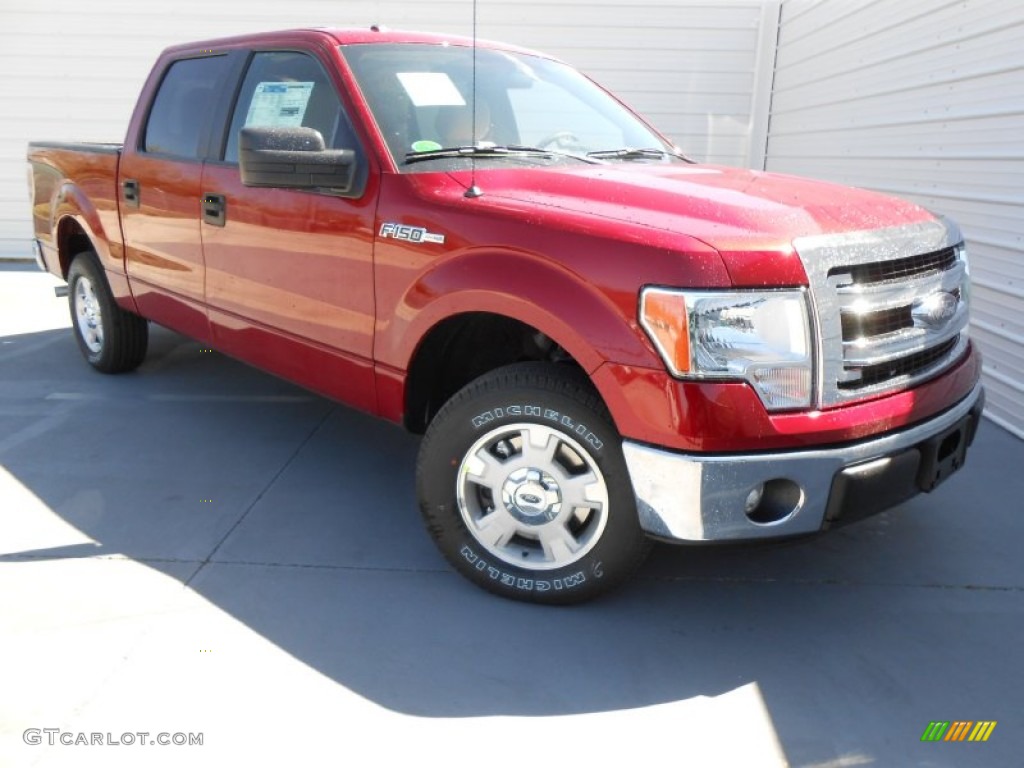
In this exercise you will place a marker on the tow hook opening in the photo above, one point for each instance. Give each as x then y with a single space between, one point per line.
949 446
773 501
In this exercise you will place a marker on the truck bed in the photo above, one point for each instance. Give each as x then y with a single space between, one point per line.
77 179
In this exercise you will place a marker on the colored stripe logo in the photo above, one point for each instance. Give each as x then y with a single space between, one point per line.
958 730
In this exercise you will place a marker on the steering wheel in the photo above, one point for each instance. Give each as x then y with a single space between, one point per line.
560 140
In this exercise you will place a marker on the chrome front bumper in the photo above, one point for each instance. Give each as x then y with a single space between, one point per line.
691 497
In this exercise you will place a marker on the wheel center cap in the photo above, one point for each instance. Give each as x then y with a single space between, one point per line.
532 496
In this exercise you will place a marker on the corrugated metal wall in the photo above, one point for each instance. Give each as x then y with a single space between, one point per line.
923 99
71 70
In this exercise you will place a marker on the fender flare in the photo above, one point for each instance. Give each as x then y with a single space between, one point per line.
70 203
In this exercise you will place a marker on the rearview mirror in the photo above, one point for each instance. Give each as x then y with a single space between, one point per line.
293 158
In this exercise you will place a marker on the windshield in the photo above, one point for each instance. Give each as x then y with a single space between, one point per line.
421 96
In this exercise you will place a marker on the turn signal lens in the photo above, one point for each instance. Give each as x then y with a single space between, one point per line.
664 318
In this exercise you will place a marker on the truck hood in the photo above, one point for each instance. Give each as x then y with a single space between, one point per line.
738 212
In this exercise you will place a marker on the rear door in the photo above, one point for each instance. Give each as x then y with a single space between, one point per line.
160 186
289 282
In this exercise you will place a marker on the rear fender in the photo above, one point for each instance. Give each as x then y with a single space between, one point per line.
71 206
73 210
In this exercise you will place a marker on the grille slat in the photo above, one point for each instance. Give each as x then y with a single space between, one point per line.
878 323
899 369
899 269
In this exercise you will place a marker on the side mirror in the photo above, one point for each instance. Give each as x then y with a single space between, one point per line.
293 158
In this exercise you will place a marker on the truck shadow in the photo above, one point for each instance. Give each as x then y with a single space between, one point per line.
298 517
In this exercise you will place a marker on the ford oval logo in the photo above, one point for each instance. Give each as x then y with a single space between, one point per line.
934 310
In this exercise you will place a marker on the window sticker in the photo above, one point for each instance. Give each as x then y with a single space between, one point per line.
279 105
431 89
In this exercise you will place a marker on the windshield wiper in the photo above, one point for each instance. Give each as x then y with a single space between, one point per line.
637 153
490 151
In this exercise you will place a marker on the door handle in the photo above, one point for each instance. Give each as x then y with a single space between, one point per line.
214 210
130 192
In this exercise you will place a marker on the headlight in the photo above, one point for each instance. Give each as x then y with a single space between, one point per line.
762 337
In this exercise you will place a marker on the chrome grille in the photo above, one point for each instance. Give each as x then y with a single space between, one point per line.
890 307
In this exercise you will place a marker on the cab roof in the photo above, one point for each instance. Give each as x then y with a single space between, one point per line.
343 36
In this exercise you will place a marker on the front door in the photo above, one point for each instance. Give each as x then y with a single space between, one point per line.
289 273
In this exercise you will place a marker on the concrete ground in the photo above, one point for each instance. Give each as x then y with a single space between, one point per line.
199 548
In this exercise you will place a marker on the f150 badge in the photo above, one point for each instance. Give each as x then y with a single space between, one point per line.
408 233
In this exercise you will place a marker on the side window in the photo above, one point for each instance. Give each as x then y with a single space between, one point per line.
183 102
289 89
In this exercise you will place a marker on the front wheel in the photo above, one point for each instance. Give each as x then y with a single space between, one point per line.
523 486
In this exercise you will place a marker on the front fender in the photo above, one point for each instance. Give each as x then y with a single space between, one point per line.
525 287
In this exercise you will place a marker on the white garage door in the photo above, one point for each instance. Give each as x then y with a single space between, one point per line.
923 99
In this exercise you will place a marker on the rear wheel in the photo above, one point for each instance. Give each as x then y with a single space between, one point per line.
111 339
523 486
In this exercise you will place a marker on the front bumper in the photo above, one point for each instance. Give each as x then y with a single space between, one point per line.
694 497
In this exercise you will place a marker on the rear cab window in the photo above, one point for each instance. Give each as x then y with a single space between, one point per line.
178 117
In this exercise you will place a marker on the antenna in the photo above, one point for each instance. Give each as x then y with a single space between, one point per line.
474 190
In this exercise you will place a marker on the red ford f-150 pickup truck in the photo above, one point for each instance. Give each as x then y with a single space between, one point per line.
603 341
